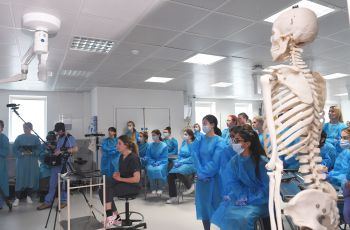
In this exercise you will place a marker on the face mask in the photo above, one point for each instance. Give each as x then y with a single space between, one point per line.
196 129
141 139
166 134
206 129
185 137
237 148
130 128
155 138
344 144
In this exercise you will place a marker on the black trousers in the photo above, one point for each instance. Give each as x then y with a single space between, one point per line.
171 182
115 188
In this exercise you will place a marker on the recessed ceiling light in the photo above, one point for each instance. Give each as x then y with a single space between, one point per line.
341 94
204 59
318 9
335 76
91 45
221 84
159 79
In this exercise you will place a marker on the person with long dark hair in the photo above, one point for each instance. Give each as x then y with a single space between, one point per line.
110 155
143 146
157 163
246 187
122 183
206 153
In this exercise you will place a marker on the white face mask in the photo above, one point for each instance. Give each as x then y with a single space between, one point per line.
206 129
237 148
344 144
130 127
166 134
185 137
196 129
141 139
155 138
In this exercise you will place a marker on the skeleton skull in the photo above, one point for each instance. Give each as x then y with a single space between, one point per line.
298 26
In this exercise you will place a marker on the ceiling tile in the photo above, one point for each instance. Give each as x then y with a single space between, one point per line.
338 3
339 53
7 36
191 42
62 5
134 78
258 33
333 23
126 48
156 64
255 53
320 45
226 48
253 9
151 36
9 50
79 60
173 16
98 27
118 64
172 54
171 73
219 25
206 4
5 15
343 36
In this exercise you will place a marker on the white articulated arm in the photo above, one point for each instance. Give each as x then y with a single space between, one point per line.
42 73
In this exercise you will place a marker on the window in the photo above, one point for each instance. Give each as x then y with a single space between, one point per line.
244 108
203 108
31 109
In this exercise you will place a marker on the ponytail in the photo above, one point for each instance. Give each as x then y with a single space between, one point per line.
134 149
217 131
129 143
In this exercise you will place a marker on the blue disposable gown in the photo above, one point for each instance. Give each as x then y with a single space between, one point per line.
226 135
157 161
4 151
172 144
198 134
261 139
337 176
142 152
27 167
226 157
207 152
328 154
248 193
334 134
110 157
137 136
45 170
185 160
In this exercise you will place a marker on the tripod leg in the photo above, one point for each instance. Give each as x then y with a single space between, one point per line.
87 201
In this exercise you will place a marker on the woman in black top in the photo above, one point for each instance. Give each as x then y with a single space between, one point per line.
122 183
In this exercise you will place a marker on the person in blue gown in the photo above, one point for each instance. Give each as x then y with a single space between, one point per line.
132 133
26 149
231 121
206 153
47 149
4 151
334 126
182 169
171 142
197 130
110 154
247 187
143 146
327 152
258 126
157 163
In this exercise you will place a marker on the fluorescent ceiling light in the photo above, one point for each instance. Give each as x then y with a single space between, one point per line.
335 76
341 94
204 59
221 84
319 10
91 45
159 79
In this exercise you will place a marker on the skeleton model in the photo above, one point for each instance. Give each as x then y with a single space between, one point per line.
294 98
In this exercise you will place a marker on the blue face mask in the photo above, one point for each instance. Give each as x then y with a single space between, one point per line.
237 148
344 144
206 129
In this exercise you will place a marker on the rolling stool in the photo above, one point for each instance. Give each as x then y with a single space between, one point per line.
128 223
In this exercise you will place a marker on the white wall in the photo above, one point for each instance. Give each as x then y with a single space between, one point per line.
107 99
345 108
76 105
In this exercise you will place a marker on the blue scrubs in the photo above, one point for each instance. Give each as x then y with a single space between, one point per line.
173 146
334 134
207 152
248 195
110 157
142 153
27 167
184 160
157 164
337 176
4 151
328 154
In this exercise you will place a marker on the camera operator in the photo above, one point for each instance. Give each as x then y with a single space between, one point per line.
26 149
47 150
66 145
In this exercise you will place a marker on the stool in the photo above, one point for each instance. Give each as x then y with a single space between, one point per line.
127 222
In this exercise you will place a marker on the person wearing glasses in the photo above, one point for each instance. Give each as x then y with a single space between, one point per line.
206 153
246 189
230 122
